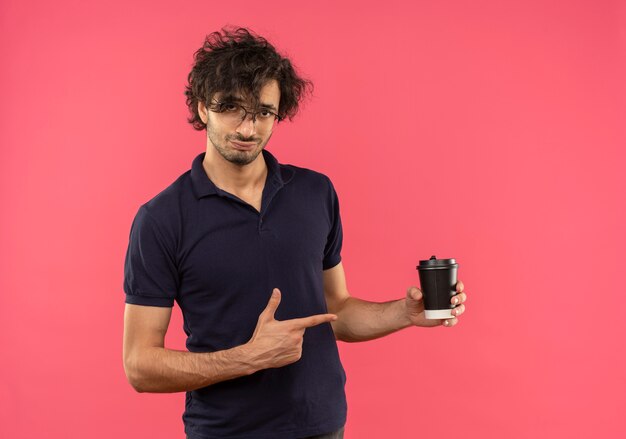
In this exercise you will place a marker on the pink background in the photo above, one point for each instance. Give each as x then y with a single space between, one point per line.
488 131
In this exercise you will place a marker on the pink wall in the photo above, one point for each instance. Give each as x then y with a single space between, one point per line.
488 131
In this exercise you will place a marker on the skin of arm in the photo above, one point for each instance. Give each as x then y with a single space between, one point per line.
167 370
151 368
360 320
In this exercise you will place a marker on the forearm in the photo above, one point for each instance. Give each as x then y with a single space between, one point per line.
360 320
161 370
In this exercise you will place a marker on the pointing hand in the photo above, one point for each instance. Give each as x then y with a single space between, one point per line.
278 343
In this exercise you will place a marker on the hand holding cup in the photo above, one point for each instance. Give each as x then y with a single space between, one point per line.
441 298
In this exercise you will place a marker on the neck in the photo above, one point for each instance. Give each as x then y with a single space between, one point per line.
232 177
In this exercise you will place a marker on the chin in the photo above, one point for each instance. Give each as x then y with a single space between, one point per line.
243 157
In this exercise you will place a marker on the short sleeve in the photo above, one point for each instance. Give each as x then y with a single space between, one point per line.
332 251
150 274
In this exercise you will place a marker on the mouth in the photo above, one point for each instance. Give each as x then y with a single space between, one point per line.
245 146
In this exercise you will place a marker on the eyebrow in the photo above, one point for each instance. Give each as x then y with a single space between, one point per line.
232 98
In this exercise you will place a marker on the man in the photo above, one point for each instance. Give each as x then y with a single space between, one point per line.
250 249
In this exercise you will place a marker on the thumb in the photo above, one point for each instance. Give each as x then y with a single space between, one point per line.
414 293
272 305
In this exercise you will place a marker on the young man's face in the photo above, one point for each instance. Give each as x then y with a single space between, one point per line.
222 132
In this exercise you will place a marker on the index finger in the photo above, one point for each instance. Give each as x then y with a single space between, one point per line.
307 322
459 287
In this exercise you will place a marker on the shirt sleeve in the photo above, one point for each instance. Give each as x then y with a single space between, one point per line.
332 251
150 273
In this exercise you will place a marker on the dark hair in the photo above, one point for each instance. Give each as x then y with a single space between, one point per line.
241 62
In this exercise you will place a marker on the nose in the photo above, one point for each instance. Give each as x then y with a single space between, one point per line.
247 127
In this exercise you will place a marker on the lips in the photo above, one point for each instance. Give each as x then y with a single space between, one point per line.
243 146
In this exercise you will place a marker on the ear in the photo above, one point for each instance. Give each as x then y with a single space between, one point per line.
202 111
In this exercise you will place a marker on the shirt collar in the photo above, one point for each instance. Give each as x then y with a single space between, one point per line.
277 174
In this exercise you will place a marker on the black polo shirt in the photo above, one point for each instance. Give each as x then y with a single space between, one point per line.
219 259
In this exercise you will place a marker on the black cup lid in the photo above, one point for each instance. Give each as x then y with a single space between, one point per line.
433 262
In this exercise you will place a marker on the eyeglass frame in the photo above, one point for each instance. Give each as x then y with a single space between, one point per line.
246 111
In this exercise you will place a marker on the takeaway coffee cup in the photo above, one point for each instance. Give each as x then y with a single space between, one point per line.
438 285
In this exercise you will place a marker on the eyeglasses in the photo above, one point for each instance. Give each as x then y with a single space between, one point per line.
233 114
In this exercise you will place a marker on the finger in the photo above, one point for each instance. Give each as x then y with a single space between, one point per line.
457 311
450 322
459 287
307 322
414 293
458 298
272 305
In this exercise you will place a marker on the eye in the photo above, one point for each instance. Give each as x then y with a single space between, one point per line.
266 113
229 107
